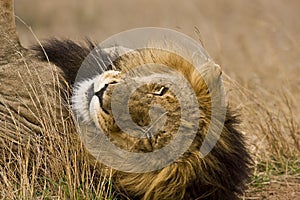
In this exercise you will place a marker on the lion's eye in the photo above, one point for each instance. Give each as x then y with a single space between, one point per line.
113 82
161 91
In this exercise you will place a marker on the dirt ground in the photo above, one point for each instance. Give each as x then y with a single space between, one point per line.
257 44
278 189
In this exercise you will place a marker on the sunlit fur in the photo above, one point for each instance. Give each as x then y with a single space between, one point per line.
222 174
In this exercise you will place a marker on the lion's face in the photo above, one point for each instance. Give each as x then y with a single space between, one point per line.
152 107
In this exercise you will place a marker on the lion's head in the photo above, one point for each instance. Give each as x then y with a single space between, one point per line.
156 110
153 106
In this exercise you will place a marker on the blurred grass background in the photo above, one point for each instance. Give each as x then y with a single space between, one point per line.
260 38
257 44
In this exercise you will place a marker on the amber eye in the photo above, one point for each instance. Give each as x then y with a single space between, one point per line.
114 82
163 90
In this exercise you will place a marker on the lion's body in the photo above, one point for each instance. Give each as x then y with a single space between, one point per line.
27 92
28 85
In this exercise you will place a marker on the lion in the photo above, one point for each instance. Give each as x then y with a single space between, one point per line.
222 174
34 91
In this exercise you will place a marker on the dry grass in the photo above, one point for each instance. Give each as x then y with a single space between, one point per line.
52 170
273 132
50 164
256 42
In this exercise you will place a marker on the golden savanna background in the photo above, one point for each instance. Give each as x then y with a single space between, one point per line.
257 44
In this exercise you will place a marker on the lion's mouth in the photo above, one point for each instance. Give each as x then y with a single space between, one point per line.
100 95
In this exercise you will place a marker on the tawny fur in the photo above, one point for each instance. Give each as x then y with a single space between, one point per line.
222 174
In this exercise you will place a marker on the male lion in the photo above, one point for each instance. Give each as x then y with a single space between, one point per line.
222 174
33 92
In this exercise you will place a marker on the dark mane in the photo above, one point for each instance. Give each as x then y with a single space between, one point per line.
69 55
